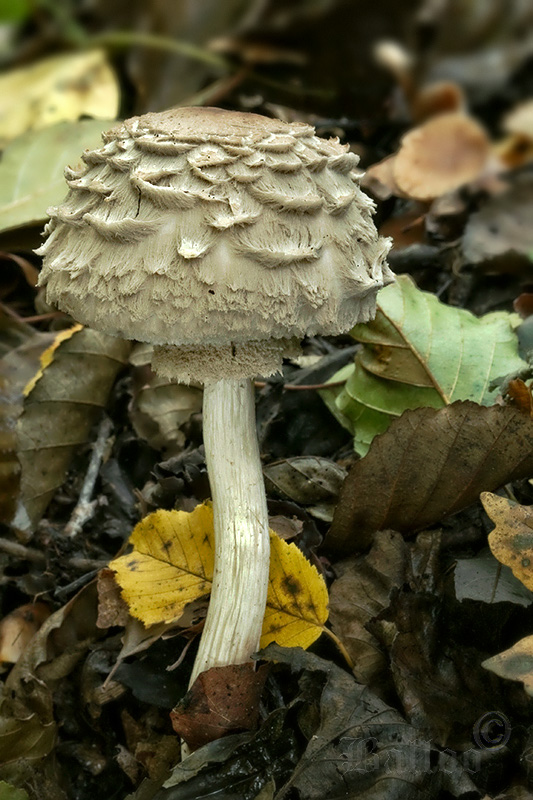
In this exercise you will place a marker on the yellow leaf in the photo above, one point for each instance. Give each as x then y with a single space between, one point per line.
511 541
172 564
515 664
47 356
57 89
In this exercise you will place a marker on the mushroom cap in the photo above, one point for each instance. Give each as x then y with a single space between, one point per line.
205 226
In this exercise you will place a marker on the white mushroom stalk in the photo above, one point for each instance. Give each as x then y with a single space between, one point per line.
242 548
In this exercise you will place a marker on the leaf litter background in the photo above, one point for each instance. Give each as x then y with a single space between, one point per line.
418 677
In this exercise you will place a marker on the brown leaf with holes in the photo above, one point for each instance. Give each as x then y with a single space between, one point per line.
222 700
429 464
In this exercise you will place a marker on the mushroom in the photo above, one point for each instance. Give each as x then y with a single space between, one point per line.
222 238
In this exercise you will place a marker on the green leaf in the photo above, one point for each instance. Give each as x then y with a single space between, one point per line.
8 792
31 170
14 11
420 352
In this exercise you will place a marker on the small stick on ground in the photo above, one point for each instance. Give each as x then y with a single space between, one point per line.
85 507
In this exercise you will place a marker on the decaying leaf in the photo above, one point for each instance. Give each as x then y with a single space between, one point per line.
31 170
484 579
429 464
420 352
442 154
159 410
502 225
362 747
21 348
27 723
172 565
514 664
511 541
18 628
305 479
8 792
73 384
222 700
61 88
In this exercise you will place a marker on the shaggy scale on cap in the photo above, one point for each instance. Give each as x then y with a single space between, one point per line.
199 226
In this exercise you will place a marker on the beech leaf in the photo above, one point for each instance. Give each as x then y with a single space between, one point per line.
73 385
172 564
511 541
31 170
420 352
429 464
515 664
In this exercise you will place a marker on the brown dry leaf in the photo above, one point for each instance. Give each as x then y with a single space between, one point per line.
18 628
222 700
511 541
519 394
112 608
514 664
161 408
430 463
27 724
441 155
60 88
362 590
73 385
502 225
20 351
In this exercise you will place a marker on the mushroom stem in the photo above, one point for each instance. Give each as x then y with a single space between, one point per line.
242 546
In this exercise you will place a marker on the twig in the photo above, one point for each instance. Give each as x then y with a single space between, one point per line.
127 39
85 507
21 551
295 387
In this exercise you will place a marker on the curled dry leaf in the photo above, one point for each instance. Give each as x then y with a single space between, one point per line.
305 479
18 628
514 664
420 352
57 89
429 464
222 700
27 724
511 541
442 154
502 225
172 565
76 377
20 349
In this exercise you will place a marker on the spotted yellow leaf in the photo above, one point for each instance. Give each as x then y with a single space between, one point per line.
511 541
172 564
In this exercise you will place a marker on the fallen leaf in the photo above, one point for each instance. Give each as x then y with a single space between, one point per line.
172 565
511 541
31 170
484 579
222 700
439 156
362 747
502 225
305 479
112 609
520 396
61 88
360 593
27 724
20 350
514 664
159 410
428 465
420 352
8 792
18 628
74 382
